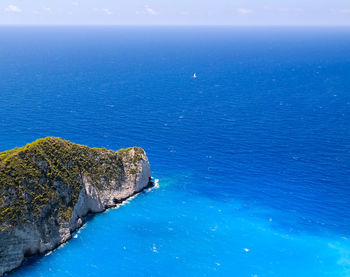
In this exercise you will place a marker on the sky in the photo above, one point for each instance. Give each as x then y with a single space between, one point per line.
176 12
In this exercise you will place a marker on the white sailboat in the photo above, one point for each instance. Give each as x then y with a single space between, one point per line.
194 76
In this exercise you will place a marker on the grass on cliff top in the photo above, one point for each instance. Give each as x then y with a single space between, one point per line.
43 179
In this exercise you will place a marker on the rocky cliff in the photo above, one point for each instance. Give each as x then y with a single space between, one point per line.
48 186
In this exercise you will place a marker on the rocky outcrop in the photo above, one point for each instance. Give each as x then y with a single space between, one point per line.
48 186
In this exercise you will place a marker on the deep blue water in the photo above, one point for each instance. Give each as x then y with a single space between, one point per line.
252 157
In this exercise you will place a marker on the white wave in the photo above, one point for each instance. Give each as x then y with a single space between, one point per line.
156 183
127 201
82 227
48 253
61 246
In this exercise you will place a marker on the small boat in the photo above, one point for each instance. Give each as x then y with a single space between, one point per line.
194 76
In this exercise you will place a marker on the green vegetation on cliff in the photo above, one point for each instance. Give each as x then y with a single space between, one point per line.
43 179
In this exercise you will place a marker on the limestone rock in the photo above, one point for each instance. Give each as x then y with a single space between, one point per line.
48 186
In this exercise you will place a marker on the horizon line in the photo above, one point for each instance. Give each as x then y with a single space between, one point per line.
168 25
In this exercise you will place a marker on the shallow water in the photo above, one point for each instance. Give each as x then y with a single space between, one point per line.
252 157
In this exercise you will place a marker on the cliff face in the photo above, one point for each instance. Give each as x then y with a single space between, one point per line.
48 186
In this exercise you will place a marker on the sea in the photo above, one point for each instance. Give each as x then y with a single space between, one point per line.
251 158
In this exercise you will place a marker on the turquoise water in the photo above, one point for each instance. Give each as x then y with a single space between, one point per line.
252 157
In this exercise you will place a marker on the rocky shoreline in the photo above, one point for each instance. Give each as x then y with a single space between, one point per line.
58 191
84 220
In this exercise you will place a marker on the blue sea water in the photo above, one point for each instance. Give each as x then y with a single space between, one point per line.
252 157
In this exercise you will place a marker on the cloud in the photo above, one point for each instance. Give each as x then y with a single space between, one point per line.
107 11
284 10
75 3
150 10
147 10
46 9
244 11
13 8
